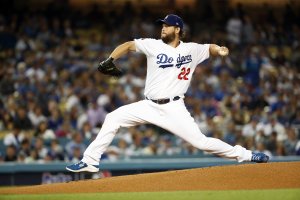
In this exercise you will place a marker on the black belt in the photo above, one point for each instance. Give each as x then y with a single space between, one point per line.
163 101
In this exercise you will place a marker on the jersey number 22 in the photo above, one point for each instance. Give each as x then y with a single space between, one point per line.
184 73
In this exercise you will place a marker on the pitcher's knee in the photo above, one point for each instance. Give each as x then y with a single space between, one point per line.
111 124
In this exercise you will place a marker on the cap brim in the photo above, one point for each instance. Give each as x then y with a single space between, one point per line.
160 21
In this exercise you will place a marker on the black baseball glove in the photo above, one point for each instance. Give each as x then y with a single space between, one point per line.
107 67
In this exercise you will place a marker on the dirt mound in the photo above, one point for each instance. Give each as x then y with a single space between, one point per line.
236 177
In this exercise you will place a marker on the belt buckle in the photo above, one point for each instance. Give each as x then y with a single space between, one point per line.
176 98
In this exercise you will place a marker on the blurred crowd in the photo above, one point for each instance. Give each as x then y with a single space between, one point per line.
53 101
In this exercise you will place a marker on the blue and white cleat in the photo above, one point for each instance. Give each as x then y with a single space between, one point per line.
82 167
259 158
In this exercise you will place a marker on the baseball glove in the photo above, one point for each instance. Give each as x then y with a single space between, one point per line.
107 67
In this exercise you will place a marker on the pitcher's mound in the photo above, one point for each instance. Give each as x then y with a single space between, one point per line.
236 177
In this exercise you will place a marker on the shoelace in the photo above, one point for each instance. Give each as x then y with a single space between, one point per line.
256 157
80 164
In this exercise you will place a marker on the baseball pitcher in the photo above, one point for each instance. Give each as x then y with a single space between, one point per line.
170 66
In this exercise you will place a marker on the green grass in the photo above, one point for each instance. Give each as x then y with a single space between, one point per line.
286 194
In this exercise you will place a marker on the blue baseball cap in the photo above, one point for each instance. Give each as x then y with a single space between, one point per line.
172 20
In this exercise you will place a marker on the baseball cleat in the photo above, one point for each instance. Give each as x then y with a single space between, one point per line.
82 167
259 158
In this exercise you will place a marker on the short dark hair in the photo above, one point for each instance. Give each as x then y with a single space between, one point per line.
182 34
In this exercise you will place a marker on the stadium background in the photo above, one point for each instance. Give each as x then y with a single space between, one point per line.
53 101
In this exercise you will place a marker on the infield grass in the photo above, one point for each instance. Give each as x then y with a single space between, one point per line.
280 194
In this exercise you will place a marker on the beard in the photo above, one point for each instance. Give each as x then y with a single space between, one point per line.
168 38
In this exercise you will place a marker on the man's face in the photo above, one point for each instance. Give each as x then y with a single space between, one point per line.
168 33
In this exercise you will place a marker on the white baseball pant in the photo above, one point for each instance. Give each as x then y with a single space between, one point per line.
173 117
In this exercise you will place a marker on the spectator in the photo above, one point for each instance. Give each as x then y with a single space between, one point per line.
34 157
166 147
11 154
230 135
24 43
248 36
55 119
137 145
234 29
260 136
73 116
250 129
56 151
22 120
96 114
15 137
280 150
274 125
35 72
36 116
21 157
76 154
149 150
296 120
75 145
291 142
25 147
6 81
271 142
40 147
65 130
252 66
120 151
43 131
189 149
72 99
6 120
87 130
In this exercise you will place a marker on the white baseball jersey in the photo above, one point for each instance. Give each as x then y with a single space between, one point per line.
169 69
